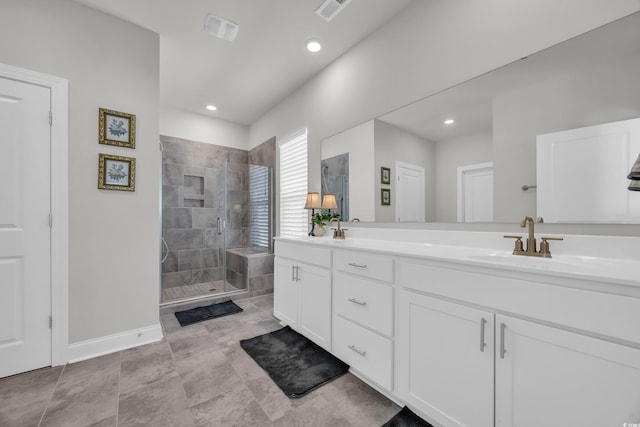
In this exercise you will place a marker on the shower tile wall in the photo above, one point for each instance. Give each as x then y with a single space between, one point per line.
335 180
193 194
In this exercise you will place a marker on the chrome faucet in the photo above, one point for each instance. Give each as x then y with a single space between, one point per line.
339 233
531 240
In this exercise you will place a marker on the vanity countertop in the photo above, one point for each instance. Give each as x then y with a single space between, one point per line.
583 266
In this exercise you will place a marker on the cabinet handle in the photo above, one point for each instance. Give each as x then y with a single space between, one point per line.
360 352
295 273
353 264
483 323
355 301
502 349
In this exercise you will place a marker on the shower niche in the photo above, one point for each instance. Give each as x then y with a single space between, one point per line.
216 221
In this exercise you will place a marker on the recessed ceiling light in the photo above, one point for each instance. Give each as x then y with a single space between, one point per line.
313 46
211 107
449 122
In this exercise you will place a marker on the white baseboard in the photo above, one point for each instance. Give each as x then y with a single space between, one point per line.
111 343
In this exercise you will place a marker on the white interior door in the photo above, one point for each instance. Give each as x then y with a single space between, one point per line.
475 193
25 234
410 195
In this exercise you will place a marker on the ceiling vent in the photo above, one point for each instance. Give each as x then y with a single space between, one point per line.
220 27
330 8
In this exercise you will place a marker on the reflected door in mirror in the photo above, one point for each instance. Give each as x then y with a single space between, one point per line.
582 174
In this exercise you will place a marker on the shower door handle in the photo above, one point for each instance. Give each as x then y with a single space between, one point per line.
220 225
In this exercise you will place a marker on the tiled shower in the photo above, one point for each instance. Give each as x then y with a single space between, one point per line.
335 180
207 206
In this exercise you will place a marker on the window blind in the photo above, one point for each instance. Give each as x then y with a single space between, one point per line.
259 206
294 220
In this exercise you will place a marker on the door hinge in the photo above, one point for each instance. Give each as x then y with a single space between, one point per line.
50 220
50 322
50 118
161 147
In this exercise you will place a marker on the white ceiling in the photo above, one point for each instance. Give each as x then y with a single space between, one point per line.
267 61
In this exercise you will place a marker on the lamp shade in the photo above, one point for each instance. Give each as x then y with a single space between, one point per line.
329 201
313 201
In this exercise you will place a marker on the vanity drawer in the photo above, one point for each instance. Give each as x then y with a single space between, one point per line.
304 253
379 267
364 301
366 352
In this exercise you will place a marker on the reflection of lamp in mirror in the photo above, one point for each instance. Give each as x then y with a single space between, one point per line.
313 203
329 201
634 176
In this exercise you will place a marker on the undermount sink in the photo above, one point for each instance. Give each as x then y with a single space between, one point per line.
559 263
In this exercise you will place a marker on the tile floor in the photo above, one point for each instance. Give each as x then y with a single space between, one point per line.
197 376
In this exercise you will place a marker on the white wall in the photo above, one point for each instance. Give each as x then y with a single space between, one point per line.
359 143
113 242
450 154
393 144
428 47
198 127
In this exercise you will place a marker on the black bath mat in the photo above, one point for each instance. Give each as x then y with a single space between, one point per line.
294 363
199 314
406 418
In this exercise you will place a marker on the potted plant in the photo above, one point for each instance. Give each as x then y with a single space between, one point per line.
322 219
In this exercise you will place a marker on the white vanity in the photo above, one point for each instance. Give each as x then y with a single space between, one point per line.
467 334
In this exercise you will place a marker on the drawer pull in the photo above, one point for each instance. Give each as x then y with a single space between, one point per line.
360 352
355 301
353 264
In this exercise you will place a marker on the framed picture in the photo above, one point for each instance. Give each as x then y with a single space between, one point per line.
385 196
385 175
116 172
116 128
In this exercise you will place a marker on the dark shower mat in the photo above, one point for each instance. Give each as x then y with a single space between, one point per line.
294 363
406 418
198 314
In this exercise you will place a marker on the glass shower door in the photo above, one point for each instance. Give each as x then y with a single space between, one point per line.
195 221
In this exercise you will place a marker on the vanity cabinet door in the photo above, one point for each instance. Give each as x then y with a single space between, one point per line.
302 299
550 377
445 360
314 314
285 292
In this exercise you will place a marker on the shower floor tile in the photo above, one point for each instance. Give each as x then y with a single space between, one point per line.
177 293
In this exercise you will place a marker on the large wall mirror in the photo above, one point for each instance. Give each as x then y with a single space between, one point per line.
588 80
